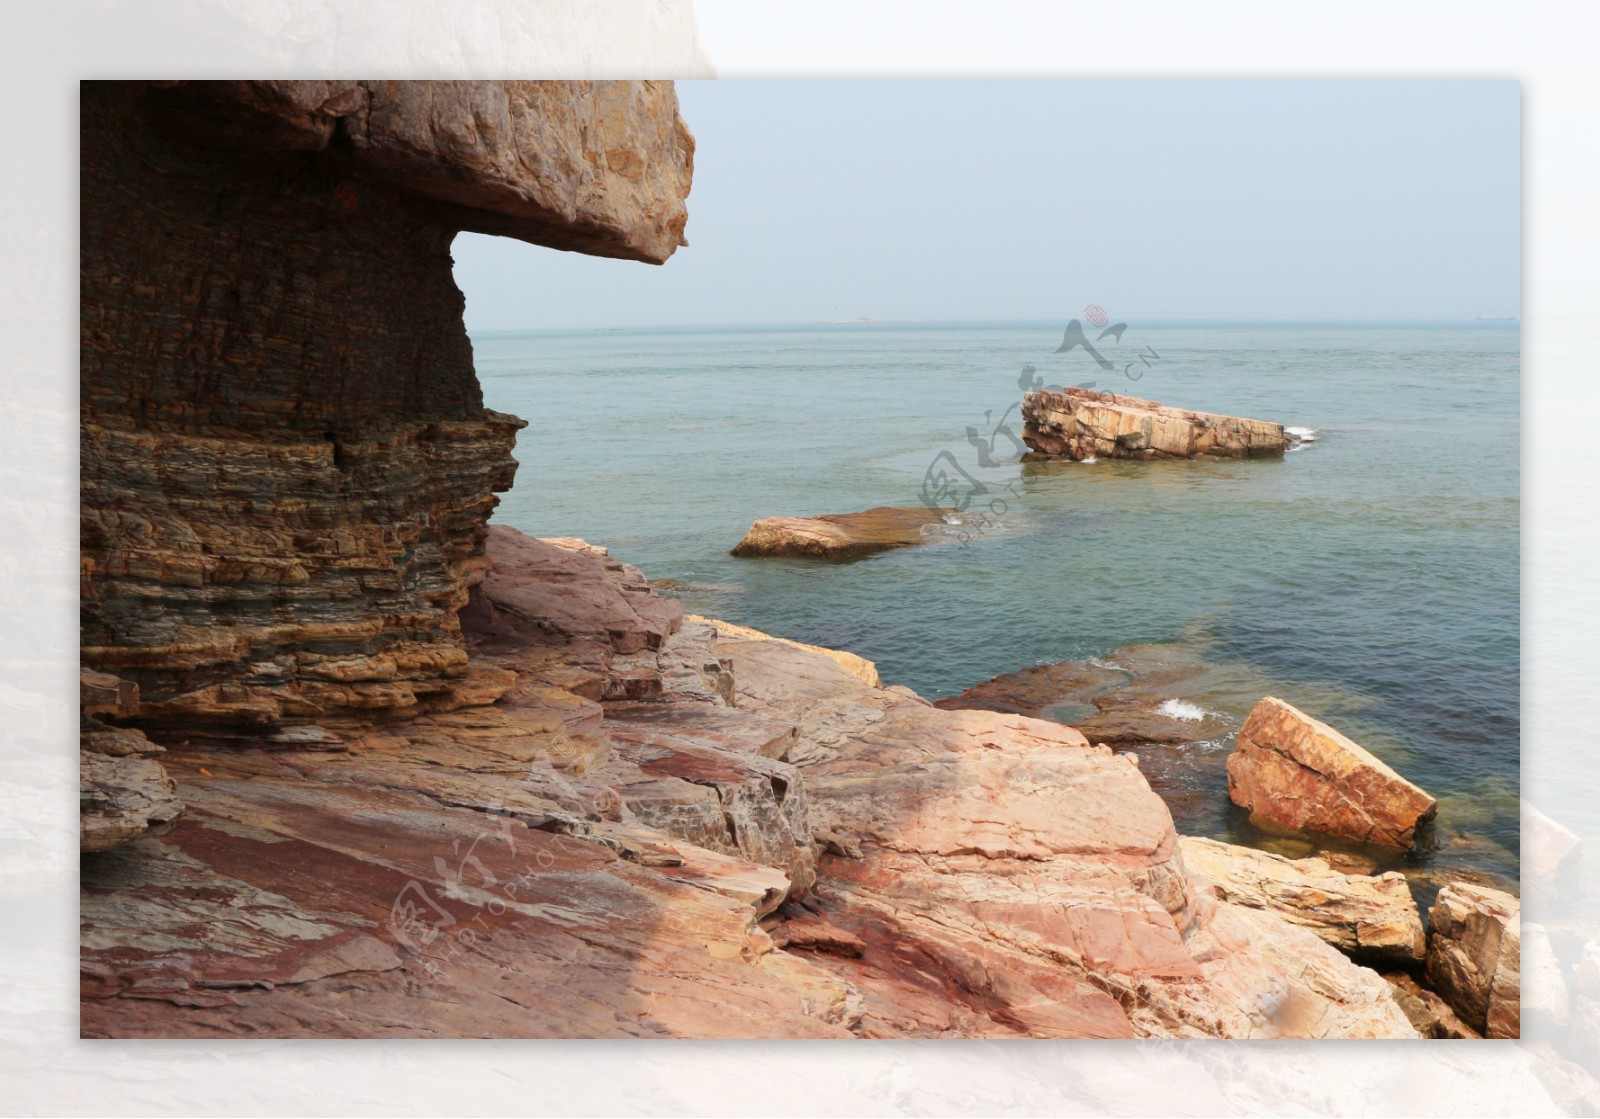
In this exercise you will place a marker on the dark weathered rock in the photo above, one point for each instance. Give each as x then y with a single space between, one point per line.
1084 424
287 467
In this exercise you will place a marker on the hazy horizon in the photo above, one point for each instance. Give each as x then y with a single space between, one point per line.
1016 201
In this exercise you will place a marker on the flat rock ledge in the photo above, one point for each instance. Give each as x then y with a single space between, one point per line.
1474 957
1370 918
840 535
1297 775
1084 424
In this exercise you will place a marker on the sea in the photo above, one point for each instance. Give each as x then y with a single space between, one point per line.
1371 573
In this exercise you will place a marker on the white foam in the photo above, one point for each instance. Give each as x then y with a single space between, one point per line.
1180 709
1304 434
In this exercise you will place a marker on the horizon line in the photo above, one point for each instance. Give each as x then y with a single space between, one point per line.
790 323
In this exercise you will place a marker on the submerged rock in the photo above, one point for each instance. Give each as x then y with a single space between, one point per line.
1474 957
1372 918
840 535
1084 424
1296 774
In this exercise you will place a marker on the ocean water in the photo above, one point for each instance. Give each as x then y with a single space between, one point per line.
1376 567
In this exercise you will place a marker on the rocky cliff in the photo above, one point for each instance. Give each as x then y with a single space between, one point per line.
287 466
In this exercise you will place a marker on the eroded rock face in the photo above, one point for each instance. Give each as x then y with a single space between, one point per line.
819 857
1373 918
287 467
839 535
1296 774
1474 957
1084 424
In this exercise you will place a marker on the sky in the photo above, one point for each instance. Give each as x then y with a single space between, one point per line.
1008 200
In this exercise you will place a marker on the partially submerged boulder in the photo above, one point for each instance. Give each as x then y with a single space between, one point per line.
1084 424
1474 957
1296 774
1369 917
840 535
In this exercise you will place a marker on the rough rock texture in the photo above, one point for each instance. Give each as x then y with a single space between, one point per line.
1084 424
1429 1013
839 535
287 467
1296 774
751 841
1474 957
1370 918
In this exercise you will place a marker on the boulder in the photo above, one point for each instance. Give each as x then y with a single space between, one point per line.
1084 424
121 799
1296 774
1369 918
840 535
1474 957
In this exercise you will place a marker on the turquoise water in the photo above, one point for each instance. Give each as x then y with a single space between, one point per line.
1380 561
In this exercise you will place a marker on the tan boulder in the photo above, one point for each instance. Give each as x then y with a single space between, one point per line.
840 535
1296 774
1083 424
1369 917
1474 957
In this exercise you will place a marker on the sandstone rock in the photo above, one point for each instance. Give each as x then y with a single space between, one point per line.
976 874
122 799
1370 918
859 667
1082 424
1474 956
839 535
1296 774
1429 1013
287 466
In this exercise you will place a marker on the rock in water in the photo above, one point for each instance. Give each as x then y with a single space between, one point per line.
1369 917
839 535
1296 774
1082 424
1474 957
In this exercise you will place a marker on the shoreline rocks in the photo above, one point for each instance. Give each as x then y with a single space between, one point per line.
1085 424
840 535
1298 775
751 817
1371 918
1474 957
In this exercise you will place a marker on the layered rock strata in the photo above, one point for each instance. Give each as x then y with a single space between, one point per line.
840 535
1370 917
287 466
1296 774
750 839
1085 424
